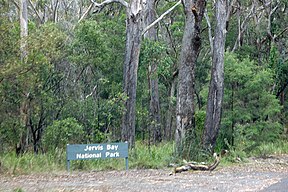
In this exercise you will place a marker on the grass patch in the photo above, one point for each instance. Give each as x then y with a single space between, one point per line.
267 149
143 156
154 157
252 149
30 163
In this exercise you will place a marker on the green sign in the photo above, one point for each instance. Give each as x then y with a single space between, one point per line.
97 151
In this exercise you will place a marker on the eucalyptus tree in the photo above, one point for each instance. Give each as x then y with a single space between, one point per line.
23 17
216 88
154 107
274 41
261 32
27 77
171 33
250 110
191 44
134 32
66 11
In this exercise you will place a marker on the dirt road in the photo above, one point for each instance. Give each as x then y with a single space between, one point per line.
270 174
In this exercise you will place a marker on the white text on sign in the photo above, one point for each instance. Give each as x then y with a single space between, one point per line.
112 147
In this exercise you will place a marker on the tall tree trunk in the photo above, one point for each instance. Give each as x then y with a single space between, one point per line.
169 131
133 43
216 89
154 108
191 43
23 16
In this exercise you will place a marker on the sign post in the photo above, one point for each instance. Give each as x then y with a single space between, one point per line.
97 151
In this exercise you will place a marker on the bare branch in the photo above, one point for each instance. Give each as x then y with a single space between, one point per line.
209 30
269 22
161 17
230 10
16 4
92 92
106 2
243 25
36 12
269 11
86 12
280 33
55 12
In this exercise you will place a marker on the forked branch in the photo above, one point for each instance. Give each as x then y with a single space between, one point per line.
104 3
160 18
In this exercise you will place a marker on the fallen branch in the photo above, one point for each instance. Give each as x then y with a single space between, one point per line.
200 167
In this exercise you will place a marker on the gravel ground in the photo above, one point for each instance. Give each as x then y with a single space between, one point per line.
265 175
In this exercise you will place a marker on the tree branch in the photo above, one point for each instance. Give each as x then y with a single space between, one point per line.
160 18
199 166
92 92
106 2
230 10
86 12
243 25
280 33
16 4
36 12
55 15
269 23
282 89
209 30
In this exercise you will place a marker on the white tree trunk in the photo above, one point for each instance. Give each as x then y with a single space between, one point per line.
23 13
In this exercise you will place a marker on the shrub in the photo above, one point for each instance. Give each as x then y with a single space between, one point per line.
62 132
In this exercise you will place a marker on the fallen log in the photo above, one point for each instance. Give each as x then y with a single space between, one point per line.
201 167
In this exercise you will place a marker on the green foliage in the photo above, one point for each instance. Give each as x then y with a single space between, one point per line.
31 163
271 148
63 132
279 67
200 122
72 80
32 82
151 51
250 109
96 54
89 43
153 54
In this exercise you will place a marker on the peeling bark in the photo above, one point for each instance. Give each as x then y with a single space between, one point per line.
216 89
191 43
133 43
